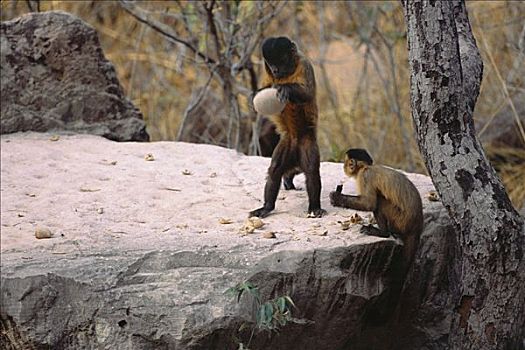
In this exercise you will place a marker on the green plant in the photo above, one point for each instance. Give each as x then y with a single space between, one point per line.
269 315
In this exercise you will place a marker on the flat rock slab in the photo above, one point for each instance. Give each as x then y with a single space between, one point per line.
139 257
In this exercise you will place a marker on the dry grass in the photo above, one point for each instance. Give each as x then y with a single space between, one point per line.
159 78
510 165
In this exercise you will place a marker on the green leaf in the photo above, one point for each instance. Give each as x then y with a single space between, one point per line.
290 301
281 304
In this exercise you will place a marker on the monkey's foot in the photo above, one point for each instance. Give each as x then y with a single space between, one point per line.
316 213
373 231
261 212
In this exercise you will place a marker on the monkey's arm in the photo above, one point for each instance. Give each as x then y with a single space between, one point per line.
362 203
300 87
367 199
294 93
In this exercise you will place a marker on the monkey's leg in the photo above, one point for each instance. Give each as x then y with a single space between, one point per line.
381 222
281 161
310 162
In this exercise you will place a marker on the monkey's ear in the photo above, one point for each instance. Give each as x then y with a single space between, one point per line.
293 46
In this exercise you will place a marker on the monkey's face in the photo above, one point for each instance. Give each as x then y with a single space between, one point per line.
350 167
279 56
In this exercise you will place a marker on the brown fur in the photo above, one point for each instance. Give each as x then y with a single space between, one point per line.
297 150
393 199
296 119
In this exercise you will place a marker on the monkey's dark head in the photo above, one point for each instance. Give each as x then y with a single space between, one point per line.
279 56
356 158
359 154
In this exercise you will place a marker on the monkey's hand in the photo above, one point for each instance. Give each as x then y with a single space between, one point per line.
336 199
293 93
370 230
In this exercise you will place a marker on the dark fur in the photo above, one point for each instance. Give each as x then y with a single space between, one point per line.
290 72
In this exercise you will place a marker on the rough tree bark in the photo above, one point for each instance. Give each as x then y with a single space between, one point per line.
446 71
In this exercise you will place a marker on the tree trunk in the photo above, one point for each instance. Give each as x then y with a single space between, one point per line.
446 71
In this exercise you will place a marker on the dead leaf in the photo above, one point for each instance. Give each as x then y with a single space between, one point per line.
149 157
54 138
213 174
84 189
225 221
172 189
186 172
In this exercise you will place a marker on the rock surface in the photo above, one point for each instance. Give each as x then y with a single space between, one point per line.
140 260
54 76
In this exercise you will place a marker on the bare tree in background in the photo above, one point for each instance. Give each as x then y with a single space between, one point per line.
220 38
446 72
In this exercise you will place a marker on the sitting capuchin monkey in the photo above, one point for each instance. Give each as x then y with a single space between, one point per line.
390 195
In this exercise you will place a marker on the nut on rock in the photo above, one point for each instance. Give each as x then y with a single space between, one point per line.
43 232
267 103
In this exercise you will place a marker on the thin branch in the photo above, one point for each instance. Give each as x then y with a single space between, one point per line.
503 85
143 17
194 103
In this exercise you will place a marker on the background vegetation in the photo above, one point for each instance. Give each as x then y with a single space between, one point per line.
359 53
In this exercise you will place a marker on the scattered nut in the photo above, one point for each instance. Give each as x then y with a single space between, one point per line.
20 215
100 210
149 157
186 172
42 232
345 225
250 225
107 162
371 219
268 234
256 222
54 138
356 219
225 221
433 196
214 174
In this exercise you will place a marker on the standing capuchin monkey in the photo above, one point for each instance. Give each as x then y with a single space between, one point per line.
289 71
387 193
